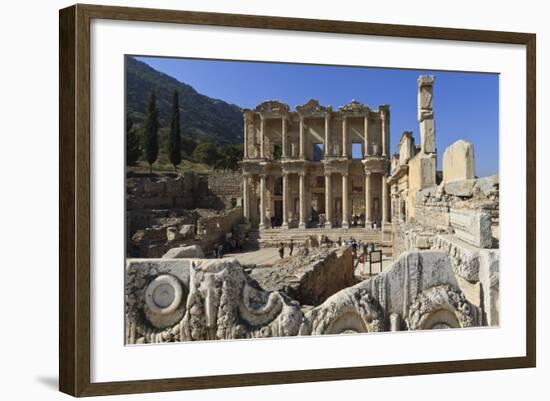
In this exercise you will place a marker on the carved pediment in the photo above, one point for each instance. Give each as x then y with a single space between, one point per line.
313 107
272 106
354 107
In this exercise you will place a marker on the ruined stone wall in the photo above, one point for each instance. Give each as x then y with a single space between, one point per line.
224 190
460 218
309 279
213 229
432 205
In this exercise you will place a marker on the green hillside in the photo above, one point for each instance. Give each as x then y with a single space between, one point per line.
203 119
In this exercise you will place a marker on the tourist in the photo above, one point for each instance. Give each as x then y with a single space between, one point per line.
290 246
216 251
282 250
220 251
366 249
306 251
339 241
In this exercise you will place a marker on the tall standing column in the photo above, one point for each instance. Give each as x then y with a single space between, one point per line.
344 137
345 211
245 135
328 201
302 137
327 135
383 115
283 139
285 200
302 223
262 201
262 132
366 127
246 199
384 200
368 217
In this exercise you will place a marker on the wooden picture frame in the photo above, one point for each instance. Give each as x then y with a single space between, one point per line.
75 207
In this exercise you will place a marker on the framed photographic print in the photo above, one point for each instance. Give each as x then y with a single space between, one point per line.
250 200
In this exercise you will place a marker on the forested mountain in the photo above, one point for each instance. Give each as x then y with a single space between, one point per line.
202 118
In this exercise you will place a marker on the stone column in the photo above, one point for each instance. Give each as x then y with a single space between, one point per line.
246 199
383 116
283 139
302 200
367 147
245 134
345 212
302 137
368 216
285 200
262 202
328 201
344 137
262 132
327 136
384 200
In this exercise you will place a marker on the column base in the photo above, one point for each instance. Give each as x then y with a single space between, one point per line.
328 224
261 227
284 225
302 225
368 225
345 224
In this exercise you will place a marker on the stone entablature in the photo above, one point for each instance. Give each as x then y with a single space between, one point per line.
316 166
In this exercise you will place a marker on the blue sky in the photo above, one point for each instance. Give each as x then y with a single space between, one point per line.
465 104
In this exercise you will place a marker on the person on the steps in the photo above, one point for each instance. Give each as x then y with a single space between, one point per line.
282 250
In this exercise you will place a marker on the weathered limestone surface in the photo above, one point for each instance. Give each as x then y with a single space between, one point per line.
419 290
218 301
472 226
199 299
191 251
458 161
309 279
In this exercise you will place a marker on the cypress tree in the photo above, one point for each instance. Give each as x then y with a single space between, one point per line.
133 148
151 144
174 144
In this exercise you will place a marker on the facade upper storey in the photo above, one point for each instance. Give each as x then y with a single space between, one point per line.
316 133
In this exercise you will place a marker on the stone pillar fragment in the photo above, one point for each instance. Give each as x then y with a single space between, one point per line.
328 201
368 217
262 133
458 162
302 223
384 200
262 201
246 199
344 138
366 127
425 113
345 211
285 200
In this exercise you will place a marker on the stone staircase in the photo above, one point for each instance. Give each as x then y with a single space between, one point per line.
273 236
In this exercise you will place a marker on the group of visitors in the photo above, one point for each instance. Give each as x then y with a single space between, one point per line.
290 248
358 246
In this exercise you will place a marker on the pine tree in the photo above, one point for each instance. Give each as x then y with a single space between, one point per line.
151 144
174 144
133 147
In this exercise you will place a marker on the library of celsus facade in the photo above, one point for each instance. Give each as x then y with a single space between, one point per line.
316 166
